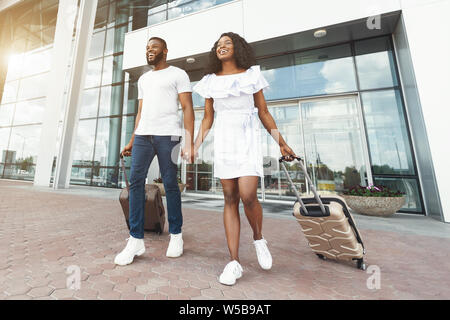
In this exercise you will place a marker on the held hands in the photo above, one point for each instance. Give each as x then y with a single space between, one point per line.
126 152
188 153
287 152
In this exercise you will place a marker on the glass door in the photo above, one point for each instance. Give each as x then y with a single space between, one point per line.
274 185
334 143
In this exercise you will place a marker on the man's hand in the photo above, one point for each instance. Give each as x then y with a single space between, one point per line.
126 152
187 153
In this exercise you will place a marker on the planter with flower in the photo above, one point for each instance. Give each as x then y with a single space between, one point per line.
374 200
158 182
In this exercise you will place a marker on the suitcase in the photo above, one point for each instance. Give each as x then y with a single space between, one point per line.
327 224
155 217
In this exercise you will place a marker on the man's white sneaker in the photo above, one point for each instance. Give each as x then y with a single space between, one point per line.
233 271
134 247
175 248
263 253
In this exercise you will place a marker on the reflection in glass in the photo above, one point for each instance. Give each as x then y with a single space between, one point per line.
109 48
84 144
119 38
10 92
333 142
112 15
375 63
180 8
33 87
4 138
106 177
111 100
204 182
157 18
14 67
279 72
81 175
31 111
23 170
6 114
108 142
310 73
93 73
105 101
131 94
36 62
89 103
25 143
409 186
325 71
118 74
199 175
107 70
275 181
101 17
389 143
97 45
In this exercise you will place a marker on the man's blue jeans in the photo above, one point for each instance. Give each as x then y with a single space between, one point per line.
166 148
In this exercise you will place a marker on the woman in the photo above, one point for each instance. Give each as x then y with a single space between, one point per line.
232 87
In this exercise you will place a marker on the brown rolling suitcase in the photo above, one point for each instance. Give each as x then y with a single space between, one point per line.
155 216
327 224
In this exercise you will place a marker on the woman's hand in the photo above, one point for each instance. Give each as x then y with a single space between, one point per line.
287 152
187 153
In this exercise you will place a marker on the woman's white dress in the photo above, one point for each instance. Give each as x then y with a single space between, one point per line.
237 139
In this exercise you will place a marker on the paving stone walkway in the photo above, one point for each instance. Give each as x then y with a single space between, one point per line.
43 234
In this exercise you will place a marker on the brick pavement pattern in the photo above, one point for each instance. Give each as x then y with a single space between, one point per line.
43 233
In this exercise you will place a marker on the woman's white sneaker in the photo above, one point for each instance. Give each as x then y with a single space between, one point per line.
134 247
231 273
263 253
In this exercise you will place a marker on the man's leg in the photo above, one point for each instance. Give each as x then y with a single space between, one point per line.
167 149
142 156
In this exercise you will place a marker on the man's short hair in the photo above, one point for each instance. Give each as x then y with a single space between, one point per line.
160 40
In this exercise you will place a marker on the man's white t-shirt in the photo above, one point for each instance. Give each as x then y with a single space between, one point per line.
159 91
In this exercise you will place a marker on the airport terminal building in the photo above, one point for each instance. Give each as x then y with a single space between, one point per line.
358 88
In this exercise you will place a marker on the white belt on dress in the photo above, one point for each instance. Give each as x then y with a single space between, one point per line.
249 125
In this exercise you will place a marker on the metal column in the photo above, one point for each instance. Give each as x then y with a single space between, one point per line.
61 52
85 26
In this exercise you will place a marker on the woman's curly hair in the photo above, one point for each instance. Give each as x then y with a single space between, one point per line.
243 54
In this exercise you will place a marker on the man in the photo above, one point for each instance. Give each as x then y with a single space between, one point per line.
158 132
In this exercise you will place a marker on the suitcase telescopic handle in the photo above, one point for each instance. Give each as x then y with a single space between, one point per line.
122 163
313 188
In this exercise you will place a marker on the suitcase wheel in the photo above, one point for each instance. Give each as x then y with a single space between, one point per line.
361 265
320 256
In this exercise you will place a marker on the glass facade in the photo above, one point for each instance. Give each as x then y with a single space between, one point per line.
339 106
26 38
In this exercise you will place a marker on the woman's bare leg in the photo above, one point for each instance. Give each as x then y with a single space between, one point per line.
253 210
231 218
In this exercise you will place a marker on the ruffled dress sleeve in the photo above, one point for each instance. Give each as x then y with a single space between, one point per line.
253 81
202 87
218 87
